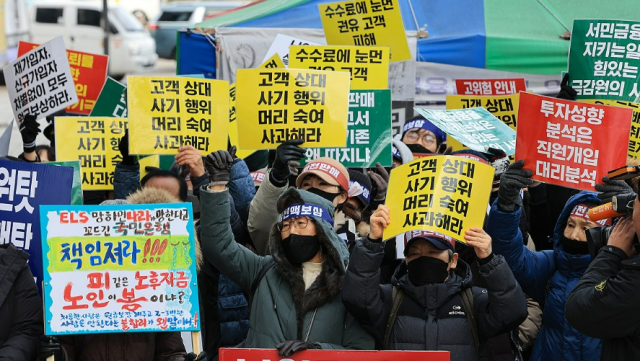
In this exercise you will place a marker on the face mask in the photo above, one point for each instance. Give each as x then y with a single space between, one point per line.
417 148
299 248
574 247
424 270
326 195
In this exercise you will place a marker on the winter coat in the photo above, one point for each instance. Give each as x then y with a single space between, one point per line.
21 320
605 303
263 213
132 346
548 277
281 309
241 188
432 317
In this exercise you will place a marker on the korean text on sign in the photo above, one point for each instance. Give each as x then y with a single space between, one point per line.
634 136
276 105
604 59
280 47
504 107
120 268
93 142
474 127
368 66
233 124
40 82
490 86
170 112
569 143
366 23
368 132
112 101
444 194
89 72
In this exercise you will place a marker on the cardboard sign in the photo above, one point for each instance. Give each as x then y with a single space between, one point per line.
169 112
93 142
368 132
40 81
604 59
280 47
275 105
503 107
476 128
89 72
368 65
569 143
634 136
366 23
112 101
245 354
23 188
444 194
76 187
490 86
233 124
273 63
124 268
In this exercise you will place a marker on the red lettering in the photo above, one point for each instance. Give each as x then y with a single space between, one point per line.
64 217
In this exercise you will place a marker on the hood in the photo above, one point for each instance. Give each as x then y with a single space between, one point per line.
432 296
582 197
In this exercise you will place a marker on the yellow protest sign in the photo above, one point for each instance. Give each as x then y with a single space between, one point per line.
445 194
169 112
368 65
633 150
233 124
275 105
273 62
94 142
366 23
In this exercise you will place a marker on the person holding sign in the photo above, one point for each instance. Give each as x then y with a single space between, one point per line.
301 278
431 303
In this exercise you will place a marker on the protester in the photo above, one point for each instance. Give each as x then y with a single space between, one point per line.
300 279
423 137
431 303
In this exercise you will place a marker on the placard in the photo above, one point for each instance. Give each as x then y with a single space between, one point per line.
273 63
233 124
76 187
280 47
634 136
504 107
490 86
112 101
119 268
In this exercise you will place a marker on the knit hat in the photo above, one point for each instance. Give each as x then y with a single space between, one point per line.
329 169
360 187
400 151
422 123
440 241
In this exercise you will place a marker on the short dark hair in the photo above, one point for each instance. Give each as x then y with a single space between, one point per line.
167 174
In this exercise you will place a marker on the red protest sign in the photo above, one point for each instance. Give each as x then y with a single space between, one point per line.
569 143
89 73
490 86
237 354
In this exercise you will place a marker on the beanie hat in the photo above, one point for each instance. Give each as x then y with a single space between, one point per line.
401 152
440 241
422 123
360 187
329 169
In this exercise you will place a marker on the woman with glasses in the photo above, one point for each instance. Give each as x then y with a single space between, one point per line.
422 137
296 303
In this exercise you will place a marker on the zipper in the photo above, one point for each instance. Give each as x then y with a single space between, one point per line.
313 317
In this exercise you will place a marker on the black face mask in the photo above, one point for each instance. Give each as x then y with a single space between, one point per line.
326 195
424 270
417 148
299 248
574 247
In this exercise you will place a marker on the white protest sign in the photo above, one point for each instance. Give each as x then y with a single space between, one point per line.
40 81
281 46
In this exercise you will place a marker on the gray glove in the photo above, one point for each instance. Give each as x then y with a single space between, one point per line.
511 182
612 188
288 348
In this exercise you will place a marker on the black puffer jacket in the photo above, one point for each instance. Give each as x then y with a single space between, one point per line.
432 317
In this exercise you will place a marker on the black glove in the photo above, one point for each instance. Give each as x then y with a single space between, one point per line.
50 346
123 146
566 91
193 357
288 348
612 188
511 182
380 182
29 129
218 165
285 153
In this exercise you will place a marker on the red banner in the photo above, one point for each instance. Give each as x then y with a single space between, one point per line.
238 354
89 73
569 143
490 86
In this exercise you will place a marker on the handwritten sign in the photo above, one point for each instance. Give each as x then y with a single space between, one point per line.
244 354
40 81
444 194
125 268
112 101
569 143
275 105
490 86
368 66
366 23
169 112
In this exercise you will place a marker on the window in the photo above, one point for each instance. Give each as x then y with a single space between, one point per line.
175 16
89 17
48 15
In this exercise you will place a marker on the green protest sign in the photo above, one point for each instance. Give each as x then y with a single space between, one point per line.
368 132
76 185
604 59
112 101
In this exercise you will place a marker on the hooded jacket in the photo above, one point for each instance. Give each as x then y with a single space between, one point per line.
281 309
20 307
548 277
432 317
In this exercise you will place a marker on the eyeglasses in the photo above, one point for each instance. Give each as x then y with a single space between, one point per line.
413 136
298 223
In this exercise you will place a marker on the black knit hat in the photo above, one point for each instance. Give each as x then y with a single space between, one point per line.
364 181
